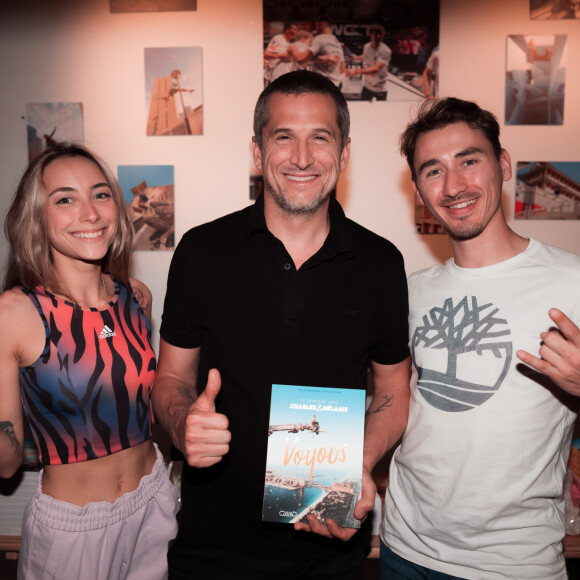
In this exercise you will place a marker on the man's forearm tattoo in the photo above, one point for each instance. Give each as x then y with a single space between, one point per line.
8 428
386 403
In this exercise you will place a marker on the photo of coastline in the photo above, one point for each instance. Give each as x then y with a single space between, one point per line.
286 504
290 499
314 461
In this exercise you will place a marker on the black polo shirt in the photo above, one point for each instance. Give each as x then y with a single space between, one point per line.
233 290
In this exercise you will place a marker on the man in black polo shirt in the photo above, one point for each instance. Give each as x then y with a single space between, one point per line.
286 291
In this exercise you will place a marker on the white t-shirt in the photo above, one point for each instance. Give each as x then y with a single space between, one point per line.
275 67
328 44
475 488
382 53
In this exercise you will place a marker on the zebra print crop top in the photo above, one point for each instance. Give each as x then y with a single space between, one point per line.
87 395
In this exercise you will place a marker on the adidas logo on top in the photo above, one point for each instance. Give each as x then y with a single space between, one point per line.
106 332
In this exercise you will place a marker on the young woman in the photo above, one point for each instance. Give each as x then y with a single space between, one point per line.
75 352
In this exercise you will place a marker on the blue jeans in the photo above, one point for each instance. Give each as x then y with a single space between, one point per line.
393 567
189 558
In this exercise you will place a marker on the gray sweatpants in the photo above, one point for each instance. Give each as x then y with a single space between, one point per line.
124 540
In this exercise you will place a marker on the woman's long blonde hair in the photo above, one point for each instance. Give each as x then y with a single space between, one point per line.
30 260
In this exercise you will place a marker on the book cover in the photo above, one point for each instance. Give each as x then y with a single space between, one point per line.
315 454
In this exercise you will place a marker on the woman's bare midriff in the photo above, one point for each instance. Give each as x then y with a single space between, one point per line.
104 479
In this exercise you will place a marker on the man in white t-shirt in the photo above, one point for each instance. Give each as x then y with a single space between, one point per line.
475 487
376 57
326 53
277 60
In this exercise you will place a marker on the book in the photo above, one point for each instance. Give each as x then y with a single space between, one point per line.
315 454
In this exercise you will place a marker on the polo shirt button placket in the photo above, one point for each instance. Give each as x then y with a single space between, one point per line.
287 266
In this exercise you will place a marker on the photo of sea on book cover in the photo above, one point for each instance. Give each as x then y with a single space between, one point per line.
315 454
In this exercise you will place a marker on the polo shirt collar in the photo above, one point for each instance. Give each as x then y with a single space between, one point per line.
256 220
338 241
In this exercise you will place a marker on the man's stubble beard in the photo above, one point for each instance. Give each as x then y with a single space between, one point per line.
290 208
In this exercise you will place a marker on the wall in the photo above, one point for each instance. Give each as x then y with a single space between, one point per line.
78 51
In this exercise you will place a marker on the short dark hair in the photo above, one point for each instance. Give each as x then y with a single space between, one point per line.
378 28
442 112
301 82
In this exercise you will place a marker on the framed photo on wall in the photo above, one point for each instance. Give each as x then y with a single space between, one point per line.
554 9
547 190
535 79
149 195
174 91
50 123
122 6
376 50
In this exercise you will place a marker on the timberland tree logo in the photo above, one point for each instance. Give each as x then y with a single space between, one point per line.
456 348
